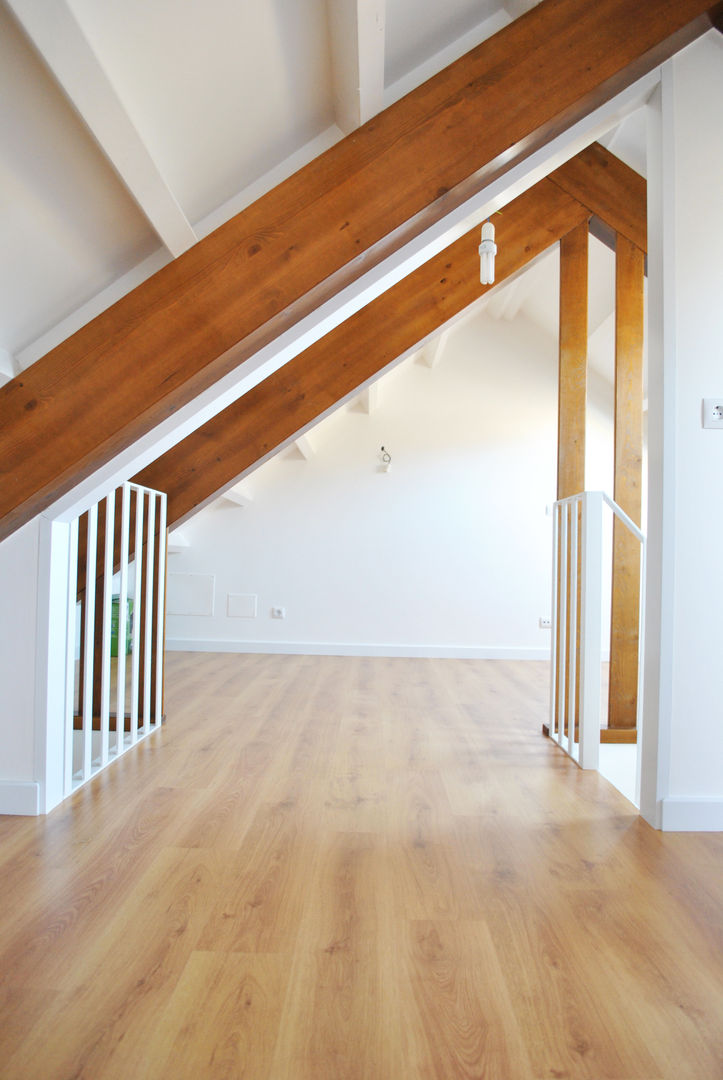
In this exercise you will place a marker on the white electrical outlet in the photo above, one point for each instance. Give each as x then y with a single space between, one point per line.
278 613
712 412
545 624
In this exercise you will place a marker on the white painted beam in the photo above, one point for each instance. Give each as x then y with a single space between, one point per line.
238 496
367 401
56 33
304 447
7 365
356 34
433 351
177 541
515 8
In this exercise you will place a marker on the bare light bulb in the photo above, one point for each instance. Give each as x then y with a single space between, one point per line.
487 251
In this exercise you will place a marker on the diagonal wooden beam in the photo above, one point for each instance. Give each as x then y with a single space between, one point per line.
269 414
160 346
610 189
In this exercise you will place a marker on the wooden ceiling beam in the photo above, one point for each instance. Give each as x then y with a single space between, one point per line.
253 427
156 349
610 189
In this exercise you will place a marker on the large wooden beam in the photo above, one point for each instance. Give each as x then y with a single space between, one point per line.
157 348
610 189
571 408
247 431
625 613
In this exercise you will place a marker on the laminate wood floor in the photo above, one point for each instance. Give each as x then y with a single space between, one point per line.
356 869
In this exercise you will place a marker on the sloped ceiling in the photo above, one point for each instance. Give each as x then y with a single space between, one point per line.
121 124
124 123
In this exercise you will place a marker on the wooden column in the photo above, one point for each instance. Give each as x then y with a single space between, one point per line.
625 615
572 397
573 363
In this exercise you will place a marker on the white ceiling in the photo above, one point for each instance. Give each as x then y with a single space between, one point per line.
129 129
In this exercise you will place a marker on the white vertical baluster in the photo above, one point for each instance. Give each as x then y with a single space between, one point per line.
160 610
137 622
122 619
70 658
148 613
562 664
591 630
572 711
641 654
107 617
554 615
89 642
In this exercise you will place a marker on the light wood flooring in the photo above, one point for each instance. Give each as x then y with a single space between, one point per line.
355 869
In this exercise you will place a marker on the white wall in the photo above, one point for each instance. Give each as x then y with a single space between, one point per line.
448 553
18 610
683 728
696 747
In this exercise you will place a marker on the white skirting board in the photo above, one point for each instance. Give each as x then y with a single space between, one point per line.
335 648
680 814
19 797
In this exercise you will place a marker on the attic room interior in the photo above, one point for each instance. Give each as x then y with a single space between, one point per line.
319 645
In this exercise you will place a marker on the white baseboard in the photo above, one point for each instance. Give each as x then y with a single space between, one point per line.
335 648
691 815
19 797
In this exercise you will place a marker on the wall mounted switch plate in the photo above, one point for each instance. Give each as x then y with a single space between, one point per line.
712 412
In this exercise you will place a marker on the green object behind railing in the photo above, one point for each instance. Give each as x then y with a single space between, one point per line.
114 618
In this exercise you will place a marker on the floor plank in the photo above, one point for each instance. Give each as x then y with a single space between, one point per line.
361 869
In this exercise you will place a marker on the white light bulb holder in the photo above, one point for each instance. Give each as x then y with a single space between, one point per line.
487 251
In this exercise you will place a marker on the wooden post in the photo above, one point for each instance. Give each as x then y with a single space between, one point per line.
572 397
625 613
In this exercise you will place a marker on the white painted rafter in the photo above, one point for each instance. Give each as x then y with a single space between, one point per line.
238 496
301 449
177 541
356 34
367 401
434 349
515 8
505 303
59 37
7 364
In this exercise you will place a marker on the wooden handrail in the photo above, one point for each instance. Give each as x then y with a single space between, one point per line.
158 347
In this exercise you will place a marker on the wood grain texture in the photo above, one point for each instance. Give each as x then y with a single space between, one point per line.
572 398
199 317
571 426
269 414
610 189
625 611
356 868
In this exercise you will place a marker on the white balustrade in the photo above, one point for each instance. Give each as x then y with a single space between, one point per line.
98 727
577 571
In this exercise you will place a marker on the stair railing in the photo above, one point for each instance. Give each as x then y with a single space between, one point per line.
577 608
116 610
